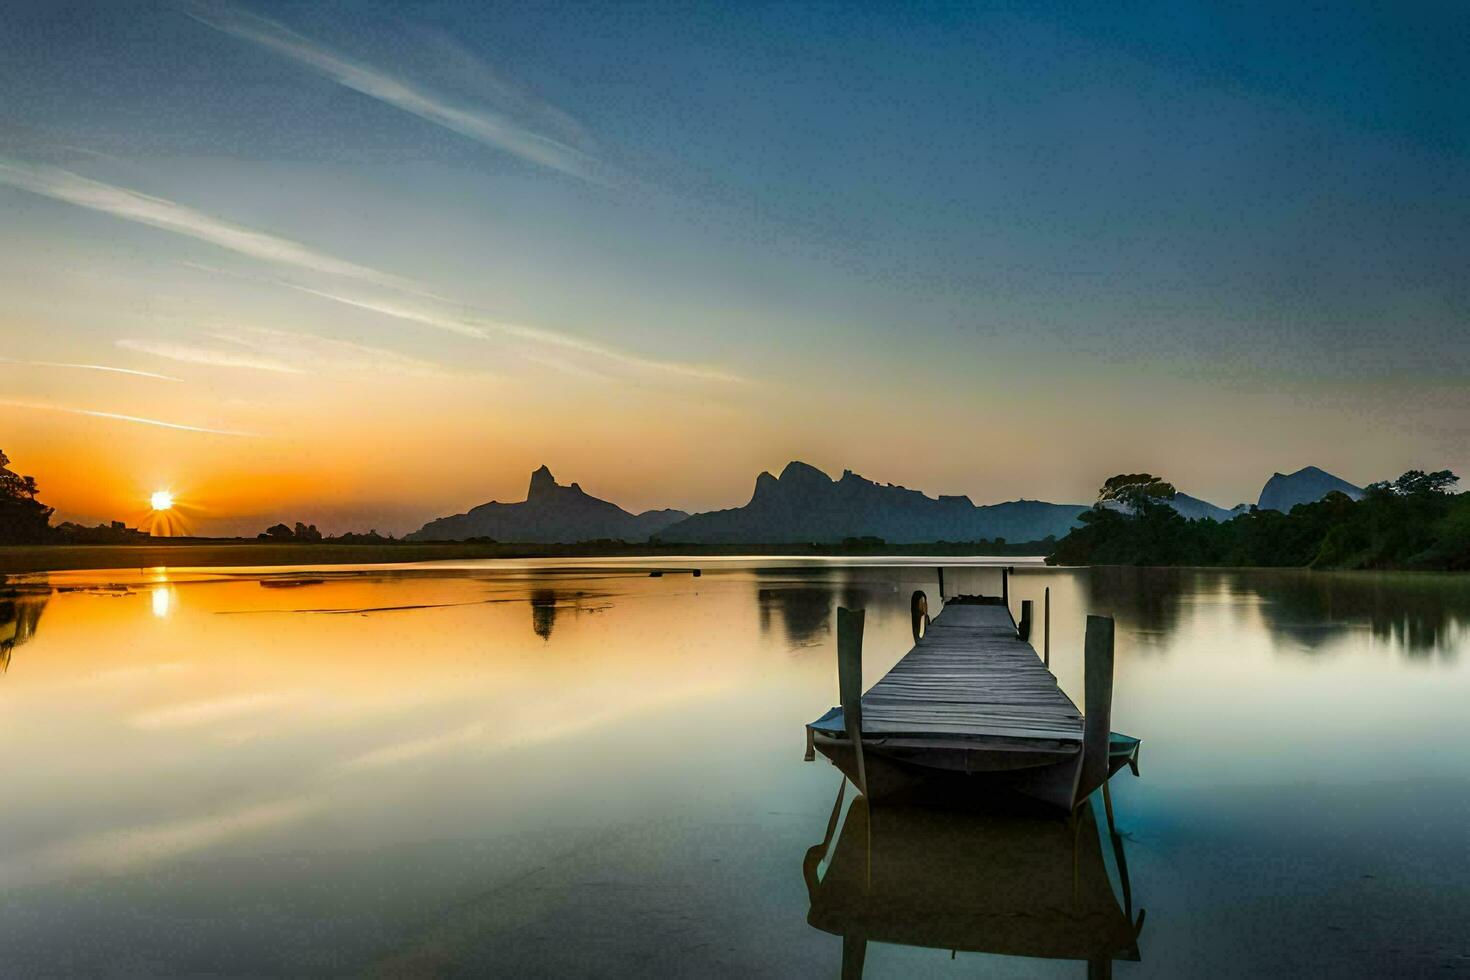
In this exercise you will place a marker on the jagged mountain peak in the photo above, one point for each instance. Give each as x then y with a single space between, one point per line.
541 481
551 513
1310 483
805 504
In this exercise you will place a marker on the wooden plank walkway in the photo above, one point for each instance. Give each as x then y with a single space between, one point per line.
971 675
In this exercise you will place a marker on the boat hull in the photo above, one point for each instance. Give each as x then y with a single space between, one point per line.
936 771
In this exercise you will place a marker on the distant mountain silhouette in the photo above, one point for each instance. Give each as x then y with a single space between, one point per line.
1194 509
1284 491
806 505
550 514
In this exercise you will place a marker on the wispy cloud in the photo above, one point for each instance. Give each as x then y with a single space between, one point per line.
430 309
214 357
286 352
91 367
63 185
482 124
483 327
116 416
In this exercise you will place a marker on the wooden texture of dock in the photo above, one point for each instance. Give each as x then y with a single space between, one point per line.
971 675
973 708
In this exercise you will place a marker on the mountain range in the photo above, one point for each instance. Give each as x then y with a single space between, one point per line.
804 504
550 514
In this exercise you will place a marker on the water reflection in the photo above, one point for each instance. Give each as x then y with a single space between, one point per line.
984 882
20 613
804 612
543 612
559 801
797 604
1422 615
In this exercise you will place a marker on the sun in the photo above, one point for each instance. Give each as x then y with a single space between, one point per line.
161 500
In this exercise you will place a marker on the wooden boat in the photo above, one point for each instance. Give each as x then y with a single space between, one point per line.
986 882
972 709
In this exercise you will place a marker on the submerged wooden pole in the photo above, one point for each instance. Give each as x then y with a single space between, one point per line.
1046 627
850 684
1023 629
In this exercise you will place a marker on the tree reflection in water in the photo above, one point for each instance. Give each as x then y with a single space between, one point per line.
1420 614
20 613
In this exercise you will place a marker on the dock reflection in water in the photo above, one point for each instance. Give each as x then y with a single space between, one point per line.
1004 882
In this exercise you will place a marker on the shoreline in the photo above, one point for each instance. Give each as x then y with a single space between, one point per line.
26 559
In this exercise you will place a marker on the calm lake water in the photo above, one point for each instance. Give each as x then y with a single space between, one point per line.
591 771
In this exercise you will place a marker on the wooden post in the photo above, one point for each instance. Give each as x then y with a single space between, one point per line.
850 684
1023 629
1046 628
941 585
1005 587
919 613
1097 722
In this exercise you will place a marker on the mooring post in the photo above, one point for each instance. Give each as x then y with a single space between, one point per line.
1097 718
941 585
1005 587
919 613
1023 629
850 684
1046 628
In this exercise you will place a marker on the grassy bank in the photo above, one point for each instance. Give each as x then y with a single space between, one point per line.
196 552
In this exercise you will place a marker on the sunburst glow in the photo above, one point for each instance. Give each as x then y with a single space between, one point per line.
161 500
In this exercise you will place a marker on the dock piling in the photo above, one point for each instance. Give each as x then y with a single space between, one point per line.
1046 628
850 684
1097 718
1023 628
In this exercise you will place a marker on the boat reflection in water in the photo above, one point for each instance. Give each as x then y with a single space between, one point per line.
999 881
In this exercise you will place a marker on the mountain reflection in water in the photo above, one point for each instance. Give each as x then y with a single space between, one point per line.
998 882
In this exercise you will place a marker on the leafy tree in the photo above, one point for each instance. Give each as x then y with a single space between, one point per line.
277 532
23 518
1416 483
1411 522
1136 491
306 532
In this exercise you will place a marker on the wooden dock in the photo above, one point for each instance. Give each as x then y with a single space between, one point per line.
971 674
974 707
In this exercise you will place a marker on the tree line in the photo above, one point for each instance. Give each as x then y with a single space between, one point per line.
1413 522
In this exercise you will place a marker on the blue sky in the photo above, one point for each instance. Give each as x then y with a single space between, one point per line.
1204 241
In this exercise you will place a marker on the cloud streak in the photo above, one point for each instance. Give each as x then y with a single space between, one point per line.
71 188
116 416
484 125
157 212
484 328
92 367
213 357
285 352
